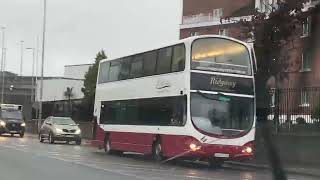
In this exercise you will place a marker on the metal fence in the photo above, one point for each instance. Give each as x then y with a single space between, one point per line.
295 110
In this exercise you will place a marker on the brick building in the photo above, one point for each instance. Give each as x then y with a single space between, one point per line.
303 70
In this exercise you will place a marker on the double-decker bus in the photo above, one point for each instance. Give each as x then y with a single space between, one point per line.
194 99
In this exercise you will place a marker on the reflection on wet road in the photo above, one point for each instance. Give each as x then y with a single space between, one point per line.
28 159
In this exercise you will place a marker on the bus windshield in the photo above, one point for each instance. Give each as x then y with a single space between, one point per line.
220 55
222 115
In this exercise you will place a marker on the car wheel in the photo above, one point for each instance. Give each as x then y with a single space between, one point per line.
12 135
78 142
157 151
40 138
215 163
21 135
51 138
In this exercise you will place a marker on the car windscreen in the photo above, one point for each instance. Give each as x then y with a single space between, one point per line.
11 114
63 121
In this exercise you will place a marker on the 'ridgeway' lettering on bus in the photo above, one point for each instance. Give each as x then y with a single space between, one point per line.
221 83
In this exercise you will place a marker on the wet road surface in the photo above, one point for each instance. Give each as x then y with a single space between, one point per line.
28 159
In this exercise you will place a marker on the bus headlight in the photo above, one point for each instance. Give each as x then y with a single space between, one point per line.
194 147
23 124
247 150
2 123
78 131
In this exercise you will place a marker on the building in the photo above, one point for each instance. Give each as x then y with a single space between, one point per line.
18 90
214 17
302 73
56 100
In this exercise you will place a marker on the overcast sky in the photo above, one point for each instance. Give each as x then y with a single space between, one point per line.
78 29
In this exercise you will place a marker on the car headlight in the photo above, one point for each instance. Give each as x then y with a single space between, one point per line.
2 123
23 124
59 130
78 131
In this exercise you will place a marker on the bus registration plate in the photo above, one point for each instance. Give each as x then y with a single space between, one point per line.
221 155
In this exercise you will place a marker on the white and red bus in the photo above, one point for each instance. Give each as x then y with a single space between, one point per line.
194 98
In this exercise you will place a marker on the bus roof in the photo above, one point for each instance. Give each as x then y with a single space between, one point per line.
186 40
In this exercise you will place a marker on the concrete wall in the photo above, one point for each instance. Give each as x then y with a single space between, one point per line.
53 89
293 149
76 71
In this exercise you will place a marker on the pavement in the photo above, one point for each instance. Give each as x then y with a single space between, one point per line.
28 159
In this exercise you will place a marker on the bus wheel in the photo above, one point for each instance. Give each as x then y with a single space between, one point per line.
157 151
107 146
215 163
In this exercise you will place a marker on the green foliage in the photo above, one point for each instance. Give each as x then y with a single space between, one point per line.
272 31
91 77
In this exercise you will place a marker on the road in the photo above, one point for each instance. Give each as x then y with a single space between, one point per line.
27 159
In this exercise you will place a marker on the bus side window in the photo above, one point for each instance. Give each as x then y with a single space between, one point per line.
136 66
164 60
149 63
178 59
125 68
179 111
114 71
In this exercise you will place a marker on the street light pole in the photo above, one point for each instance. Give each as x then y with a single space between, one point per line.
21 53
3 56
42 58
32 76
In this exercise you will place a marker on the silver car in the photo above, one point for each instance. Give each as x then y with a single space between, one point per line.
60 129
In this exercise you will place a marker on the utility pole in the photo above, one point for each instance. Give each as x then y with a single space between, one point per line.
42 57
3 56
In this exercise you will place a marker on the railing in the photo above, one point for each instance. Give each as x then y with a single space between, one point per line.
295 110
209 18
198 18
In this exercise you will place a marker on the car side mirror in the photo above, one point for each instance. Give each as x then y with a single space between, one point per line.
48 123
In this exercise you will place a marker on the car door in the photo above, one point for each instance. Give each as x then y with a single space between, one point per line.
46 127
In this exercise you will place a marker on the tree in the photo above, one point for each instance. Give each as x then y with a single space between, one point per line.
69 95
90 82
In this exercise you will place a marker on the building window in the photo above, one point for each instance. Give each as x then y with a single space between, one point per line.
217 13
306 61
304 99
306 26
223 32
194 33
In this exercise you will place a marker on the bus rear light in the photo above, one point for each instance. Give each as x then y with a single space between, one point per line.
194 147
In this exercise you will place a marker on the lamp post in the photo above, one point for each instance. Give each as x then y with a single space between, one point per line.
21 58
32 76
42 58
3 56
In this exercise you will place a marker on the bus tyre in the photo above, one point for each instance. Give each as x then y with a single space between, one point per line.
107 146
51 138
157 151
215 163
